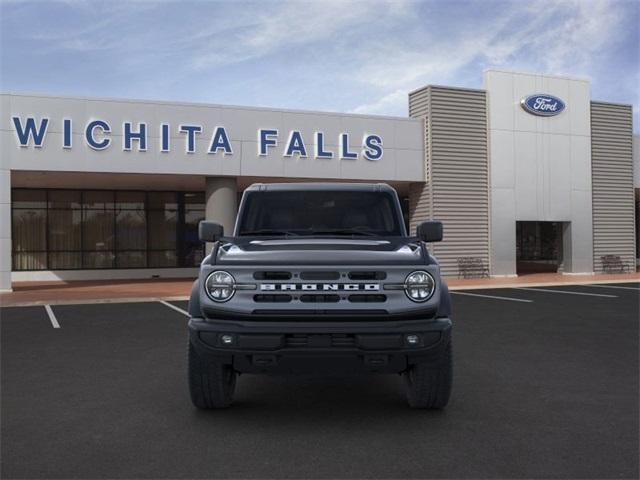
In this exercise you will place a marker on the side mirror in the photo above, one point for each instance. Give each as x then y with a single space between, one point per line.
210 231
430 231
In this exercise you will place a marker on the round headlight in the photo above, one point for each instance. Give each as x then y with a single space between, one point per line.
220 286
419 286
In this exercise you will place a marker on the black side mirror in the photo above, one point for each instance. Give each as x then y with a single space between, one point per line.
210 231
430 231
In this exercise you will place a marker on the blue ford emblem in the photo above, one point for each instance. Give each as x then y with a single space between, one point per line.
542 104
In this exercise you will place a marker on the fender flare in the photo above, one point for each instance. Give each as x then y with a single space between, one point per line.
194 300
444 307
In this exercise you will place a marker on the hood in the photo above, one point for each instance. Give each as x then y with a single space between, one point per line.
320 251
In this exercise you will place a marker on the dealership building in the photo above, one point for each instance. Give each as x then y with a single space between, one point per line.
527 174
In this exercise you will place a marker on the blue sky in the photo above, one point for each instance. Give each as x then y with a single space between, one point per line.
346 56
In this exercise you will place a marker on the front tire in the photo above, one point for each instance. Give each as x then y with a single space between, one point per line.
428 384
212 384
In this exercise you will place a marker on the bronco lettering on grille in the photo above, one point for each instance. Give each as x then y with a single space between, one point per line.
324 287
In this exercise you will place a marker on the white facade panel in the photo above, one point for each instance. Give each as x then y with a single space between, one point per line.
254 165
561 124
501 114
580 170
579 112
375 170
406 164
502 142
5 229
552 162
322 167
581 231
523 85
308 125
503 232
241 124
558 179
409 136
526 173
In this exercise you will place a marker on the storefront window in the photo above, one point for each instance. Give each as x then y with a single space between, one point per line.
29 198
131 230
65 238
73 229
98 238
194 206
64 232
163 223
29 231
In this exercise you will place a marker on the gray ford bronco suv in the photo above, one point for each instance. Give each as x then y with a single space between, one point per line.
319 277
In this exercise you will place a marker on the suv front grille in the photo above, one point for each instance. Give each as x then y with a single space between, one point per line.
319 298
272 275
346 289
308 275
367 298
272 298
366 275
319 275
320 341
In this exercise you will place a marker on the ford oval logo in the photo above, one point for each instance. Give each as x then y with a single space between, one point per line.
542 104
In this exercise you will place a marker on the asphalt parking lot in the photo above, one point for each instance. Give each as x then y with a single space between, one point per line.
546 386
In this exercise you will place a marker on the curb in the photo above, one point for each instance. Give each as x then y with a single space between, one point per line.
186 298
41 303
541 284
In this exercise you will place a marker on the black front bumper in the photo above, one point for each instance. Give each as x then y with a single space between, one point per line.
327 347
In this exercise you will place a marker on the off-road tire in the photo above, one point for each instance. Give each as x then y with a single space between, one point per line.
428 384
211 384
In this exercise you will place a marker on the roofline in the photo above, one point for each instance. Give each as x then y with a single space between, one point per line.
202 104
465 89
315 186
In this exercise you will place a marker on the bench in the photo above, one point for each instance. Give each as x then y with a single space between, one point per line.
470 267
613 264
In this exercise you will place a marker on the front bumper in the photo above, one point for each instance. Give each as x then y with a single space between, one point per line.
296 347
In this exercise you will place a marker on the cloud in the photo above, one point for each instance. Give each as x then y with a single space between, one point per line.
551 37
586 28
347 55
394 103
288 25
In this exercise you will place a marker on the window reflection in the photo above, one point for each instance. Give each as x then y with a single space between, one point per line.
91 229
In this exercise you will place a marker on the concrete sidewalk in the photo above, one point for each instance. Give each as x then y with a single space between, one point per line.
39 293
539 280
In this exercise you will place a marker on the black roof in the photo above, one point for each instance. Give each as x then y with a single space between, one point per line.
320 186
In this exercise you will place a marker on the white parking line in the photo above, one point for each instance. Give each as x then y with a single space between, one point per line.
177 309
52 317
492 296
566 291
611 286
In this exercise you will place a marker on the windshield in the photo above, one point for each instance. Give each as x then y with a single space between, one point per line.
348 213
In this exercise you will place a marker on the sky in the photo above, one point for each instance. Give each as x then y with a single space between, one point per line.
342 55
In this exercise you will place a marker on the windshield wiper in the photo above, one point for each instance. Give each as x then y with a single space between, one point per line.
267 231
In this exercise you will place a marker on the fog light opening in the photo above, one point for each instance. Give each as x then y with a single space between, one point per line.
413 339
227 339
